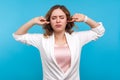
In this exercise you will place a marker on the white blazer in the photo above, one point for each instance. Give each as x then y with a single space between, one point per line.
51 70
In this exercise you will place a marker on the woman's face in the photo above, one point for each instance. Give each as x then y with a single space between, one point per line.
58 20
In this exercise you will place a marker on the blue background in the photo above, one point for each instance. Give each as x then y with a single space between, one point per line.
99 60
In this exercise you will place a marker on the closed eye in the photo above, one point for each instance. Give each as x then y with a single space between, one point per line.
53 18
61 17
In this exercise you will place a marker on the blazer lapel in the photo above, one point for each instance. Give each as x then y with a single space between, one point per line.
52 42
72 46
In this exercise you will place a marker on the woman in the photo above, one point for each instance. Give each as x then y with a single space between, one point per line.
59 46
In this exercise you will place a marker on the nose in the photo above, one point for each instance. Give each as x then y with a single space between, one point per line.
58 20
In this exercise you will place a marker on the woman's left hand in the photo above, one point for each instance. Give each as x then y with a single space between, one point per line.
78 18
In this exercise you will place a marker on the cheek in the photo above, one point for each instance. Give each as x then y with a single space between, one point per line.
64 22
52 23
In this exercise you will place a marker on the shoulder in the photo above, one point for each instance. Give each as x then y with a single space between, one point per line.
73 34
34 34
77 33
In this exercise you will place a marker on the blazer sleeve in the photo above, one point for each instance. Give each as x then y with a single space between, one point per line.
30 39
93 34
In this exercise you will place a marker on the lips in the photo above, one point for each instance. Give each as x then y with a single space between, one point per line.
58 25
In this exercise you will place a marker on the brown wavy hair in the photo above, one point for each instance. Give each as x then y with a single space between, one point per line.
47 27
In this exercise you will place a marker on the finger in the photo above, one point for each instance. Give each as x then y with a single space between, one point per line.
73 20
70 21
47 22
75 17
42 20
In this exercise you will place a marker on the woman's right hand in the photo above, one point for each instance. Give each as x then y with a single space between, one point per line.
40 20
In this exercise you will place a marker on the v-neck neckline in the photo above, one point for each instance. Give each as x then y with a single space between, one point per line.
64 73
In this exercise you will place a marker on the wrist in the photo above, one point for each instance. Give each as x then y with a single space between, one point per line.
85 19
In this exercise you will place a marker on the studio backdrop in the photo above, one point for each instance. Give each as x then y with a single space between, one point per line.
100 59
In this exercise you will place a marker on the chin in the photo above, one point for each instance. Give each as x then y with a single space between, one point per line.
59 30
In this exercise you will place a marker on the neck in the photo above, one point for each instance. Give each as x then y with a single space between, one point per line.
60 38
59 35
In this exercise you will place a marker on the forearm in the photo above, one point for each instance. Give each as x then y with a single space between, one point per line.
92 23
23 29
82 18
